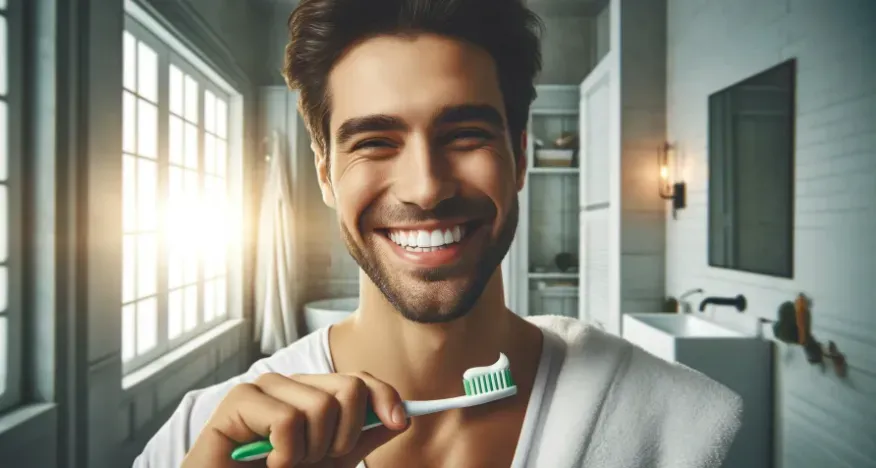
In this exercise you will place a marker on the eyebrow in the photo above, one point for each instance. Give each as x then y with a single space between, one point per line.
448 115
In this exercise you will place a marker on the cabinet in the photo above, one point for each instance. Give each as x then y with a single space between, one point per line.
542 268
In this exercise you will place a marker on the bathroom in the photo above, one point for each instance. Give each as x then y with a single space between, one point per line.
618 219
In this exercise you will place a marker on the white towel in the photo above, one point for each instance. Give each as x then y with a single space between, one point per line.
629 408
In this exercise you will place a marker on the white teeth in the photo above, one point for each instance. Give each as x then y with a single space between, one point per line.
448 236
423 239
427 241
437 238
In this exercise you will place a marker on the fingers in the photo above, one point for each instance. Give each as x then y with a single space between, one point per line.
306 418
351 394
352 391
320 410
386 402
244 415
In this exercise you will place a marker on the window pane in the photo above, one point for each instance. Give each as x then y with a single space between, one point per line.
174 313
176 263
221 298
4 58
129 123
147 129
209 152
147 188
4 343
209 112
191 307
177 146
221 157
129 268
128 331
4 223
147 268
147 68
130 61
4 141
209 300
175 197
191 266
129 193
176 90
221 118
191 146
191 112
147 324
4 288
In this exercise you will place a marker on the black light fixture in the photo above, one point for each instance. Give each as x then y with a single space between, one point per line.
670 188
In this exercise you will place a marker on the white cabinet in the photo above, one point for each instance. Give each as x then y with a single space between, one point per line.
542 268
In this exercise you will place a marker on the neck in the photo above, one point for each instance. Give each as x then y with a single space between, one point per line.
426 361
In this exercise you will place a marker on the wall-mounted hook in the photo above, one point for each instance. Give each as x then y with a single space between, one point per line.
794 326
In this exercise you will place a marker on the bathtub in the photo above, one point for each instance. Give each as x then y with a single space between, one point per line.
322 313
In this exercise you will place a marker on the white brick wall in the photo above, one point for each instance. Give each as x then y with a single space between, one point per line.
821 421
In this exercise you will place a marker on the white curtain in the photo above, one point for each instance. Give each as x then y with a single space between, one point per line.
276 294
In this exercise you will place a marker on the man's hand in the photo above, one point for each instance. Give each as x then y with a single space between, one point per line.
313 420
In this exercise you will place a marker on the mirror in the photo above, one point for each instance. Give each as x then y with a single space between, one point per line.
751 174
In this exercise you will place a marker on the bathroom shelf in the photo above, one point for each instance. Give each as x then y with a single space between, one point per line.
548 225
552 275
554 170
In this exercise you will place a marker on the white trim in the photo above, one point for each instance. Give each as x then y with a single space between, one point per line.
158 365
171 40
147 27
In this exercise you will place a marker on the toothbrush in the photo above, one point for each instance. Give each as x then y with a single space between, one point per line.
481 384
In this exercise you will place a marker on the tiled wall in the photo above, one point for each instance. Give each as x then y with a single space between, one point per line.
821 421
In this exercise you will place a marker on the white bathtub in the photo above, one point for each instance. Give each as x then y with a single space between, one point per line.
322 313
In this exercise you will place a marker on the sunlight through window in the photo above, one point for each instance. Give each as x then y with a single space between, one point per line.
176 201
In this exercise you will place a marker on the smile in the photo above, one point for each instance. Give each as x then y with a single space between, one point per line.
427 241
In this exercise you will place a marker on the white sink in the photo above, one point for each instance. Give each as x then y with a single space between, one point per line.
740 361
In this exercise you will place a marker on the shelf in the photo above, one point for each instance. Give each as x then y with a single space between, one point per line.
552 275
554 170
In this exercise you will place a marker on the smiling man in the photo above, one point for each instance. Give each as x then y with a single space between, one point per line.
417 110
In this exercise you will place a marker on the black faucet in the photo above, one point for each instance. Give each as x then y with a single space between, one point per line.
738 302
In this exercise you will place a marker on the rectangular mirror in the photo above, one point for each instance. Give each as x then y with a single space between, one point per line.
751 174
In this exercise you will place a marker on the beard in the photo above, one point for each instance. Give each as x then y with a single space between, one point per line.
441 294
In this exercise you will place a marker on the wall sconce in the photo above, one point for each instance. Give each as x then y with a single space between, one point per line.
670 189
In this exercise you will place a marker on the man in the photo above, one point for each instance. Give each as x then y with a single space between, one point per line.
417 110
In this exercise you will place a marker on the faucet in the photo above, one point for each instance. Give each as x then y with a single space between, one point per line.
738 302
685 305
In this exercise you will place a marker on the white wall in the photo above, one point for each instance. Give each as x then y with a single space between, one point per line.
821 421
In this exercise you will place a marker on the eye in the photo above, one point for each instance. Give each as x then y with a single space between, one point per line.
374 143
468 137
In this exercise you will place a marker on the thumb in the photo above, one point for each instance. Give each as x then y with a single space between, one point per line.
369 441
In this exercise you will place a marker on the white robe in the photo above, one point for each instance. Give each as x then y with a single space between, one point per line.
608 405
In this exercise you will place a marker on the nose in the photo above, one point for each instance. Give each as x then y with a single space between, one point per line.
425 177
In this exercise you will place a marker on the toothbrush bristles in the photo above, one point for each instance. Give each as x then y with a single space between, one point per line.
488 382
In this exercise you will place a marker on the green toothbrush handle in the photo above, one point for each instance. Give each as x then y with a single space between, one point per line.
260 449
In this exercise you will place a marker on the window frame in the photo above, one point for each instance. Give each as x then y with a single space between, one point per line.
15 101
167 55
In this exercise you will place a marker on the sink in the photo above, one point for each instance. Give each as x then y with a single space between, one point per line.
740 361
686 326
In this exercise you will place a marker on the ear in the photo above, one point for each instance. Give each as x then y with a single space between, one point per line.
320 160
521 161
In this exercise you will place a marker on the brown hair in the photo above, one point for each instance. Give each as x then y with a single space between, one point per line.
321 31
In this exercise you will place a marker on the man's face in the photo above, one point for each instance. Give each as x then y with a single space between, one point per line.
422 172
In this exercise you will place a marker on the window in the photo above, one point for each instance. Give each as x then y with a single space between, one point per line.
176 199
10 213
